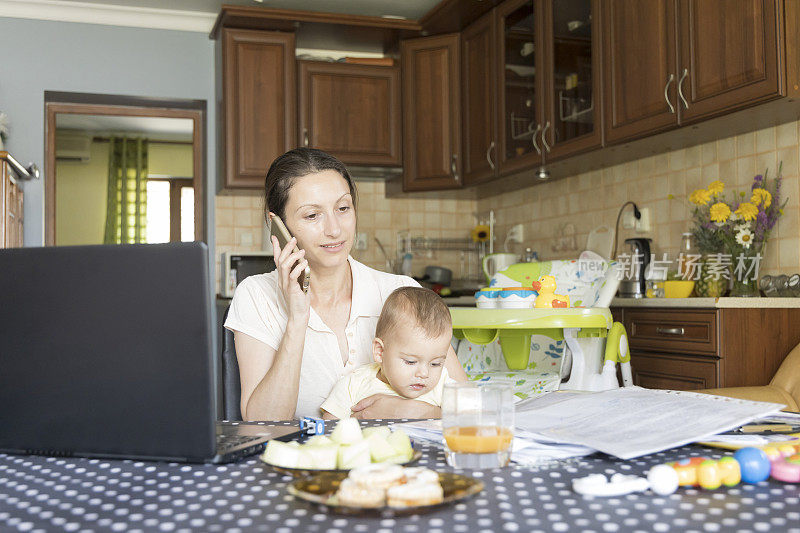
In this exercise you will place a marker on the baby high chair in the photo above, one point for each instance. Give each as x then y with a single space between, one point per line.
538 348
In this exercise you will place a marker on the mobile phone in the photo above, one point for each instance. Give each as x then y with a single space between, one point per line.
278 228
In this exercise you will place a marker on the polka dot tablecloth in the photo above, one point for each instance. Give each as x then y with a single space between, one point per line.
58 494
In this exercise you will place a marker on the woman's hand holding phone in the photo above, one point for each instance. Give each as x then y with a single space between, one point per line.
291 266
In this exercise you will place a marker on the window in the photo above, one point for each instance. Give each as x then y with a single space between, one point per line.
170 210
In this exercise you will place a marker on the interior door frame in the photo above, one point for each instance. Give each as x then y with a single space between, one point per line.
98 104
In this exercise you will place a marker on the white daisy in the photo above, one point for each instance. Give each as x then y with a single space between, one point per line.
744 237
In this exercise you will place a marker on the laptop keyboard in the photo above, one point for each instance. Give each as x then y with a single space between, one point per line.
231 441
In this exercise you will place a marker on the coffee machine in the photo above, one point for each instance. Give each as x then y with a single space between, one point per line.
634 285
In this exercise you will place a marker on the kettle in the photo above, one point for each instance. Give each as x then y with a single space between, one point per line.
635 285
494 263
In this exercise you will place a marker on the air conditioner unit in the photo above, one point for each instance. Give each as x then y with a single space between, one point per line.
73 146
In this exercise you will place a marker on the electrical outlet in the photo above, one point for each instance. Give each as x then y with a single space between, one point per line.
628 220
361 241
515 234
643 224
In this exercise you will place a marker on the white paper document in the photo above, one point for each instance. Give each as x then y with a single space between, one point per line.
632 421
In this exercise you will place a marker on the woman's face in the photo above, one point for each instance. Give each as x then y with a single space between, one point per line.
320 213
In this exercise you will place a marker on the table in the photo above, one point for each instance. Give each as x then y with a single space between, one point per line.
75 494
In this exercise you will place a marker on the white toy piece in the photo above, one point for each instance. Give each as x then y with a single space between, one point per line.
663 480
619 485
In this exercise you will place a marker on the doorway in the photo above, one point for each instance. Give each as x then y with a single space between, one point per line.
160 144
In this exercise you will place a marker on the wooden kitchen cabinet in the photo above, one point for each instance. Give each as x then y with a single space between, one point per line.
673 62
478 98
729 55
11 204
258 101
351 111
431 70
544 57
689 349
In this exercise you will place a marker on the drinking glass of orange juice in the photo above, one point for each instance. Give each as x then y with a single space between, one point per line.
478 423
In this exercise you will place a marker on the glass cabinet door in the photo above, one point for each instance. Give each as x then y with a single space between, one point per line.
572 70
520 108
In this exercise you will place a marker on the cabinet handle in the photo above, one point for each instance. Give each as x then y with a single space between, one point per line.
533 139
305 137
544 141
680 88
670 331
489 155
454 167
666 97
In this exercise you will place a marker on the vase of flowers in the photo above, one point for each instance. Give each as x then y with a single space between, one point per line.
735 230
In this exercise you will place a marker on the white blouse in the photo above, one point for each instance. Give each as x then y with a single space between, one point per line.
259 310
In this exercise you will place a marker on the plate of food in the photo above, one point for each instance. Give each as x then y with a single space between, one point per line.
385 489
347 447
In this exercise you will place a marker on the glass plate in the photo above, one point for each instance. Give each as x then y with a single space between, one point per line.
321 489
302 472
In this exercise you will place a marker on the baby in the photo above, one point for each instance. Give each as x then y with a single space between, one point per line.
410 346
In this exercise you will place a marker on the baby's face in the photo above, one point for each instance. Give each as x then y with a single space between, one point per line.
411 362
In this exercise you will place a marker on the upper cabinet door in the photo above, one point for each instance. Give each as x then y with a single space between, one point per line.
574 88
258 88
519 85
640 85
431 113
351 111
478 75
728 55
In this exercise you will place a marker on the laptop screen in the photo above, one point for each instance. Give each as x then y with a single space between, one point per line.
107 351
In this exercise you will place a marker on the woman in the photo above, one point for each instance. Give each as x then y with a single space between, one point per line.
292 346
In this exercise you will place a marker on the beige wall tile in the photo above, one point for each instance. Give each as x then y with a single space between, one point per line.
726 148
786 134
709 153
765 140
745 144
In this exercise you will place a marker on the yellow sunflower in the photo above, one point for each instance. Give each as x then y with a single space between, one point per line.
716 187
760 195
700 197
480 233
720 212
747 211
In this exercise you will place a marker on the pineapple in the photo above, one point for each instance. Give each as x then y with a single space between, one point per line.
708 287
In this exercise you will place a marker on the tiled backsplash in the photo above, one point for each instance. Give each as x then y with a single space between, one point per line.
239 222
567 206
591 199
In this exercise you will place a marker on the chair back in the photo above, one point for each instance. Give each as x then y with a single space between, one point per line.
588 283
231 384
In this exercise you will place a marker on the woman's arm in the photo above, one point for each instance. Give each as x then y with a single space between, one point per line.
453 366
270 378
386 406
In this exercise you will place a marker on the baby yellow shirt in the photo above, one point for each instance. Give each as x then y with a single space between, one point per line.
363 382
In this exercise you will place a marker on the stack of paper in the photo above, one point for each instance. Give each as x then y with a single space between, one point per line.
632 421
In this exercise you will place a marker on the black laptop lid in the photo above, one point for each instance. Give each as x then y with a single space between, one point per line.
107 351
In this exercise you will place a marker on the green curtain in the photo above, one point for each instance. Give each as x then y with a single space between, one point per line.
126 214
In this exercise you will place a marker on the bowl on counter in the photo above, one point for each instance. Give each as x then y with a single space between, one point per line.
678 288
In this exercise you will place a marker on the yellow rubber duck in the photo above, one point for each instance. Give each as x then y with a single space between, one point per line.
547 294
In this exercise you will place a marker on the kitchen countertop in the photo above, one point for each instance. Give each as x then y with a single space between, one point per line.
707 303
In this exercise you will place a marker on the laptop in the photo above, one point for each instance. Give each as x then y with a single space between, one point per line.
107 351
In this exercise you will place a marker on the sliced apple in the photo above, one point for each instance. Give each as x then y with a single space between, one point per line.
283 454
354 455
347 431
323 456
384 431
379 448
401 443
319 440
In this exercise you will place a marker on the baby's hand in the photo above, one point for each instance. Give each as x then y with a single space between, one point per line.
386 406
